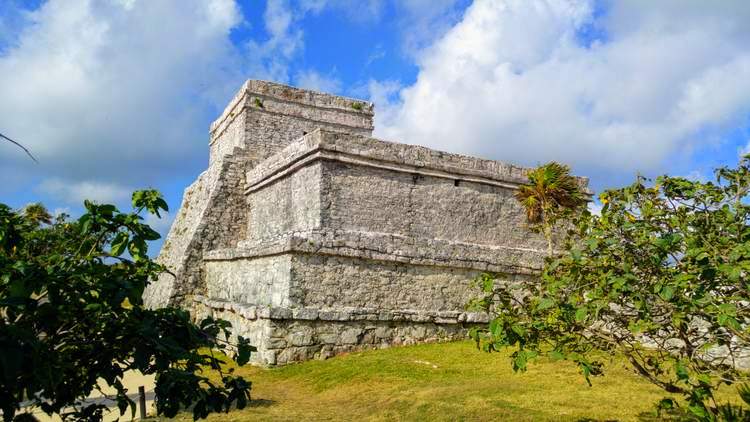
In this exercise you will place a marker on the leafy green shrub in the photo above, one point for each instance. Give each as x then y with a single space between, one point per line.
662 277
71 312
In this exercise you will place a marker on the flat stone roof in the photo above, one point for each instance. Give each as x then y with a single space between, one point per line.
367 151
291 95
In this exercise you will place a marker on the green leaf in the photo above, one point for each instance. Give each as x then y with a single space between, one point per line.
545 303
519 361
681 371
699 411
667 292
149 234
496 328
518 329
581 314
556 355
119 243
666 404
85 223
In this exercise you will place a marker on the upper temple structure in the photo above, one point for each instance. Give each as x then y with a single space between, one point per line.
313 238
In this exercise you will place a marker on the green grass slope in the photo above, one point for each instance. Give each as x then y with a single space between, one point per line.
435 382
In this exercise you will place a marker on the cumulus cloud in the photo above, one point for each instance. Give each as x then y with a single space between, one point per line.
424 21
160 224
311 79
113 91
271 58
362 11
119 93
745 150
13 17
77 192
611 92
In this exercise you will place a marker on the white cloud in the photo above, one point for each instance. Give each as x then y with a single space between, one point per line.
743 151
424 21
514 81
161 225
698 176
362 11
116 91
60 211
377 53
385 95
311 79
74 193
595 207
271 58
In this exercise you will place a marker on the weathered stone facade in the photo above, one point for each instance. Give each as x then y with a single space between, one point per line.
313 238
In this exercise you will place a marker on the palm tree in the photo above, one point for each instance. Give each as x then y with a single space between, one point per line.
551 194
37 214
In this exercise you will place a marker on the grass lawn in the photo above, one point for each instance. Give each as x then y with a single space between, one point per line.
449 381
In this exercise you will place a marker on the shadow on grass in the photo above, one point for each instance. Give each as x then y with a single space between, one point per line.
260 403
186 414
651 416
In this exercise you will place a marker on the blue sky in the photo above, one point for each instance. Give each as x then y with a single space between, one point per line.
114 95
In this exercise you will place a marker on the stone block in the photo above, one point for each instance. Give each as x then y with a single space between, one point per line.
280 313
302 338
350 336
305 314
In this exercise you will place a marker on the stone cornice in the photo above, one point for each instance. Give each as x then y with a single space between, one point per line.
371 152
252 312
392 248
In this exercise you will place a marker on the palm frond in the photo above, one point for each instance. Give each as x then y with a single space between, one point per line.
551 188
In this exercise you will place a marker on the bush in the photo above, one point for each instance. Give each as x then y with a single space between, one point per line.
71 312
661 277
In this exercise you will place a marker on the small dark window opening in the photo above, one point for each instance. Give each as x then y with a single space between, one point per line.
304 133
456 182
415 177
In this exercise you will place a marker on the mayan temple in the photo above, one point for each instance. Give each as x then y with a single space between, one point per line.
313 238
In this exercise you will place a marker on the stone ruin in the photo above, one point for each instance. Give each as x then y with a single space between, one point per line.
313 238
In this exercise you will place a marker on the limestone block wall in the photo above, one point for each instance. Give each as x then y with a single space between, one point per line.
285 335
329 281
313 238
354 183
332 270
269 116
291 204
212 216
262 118
354 242
362 198
262 281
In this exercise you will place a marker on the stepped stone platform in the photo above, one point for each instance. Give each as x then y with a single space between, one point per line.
313 238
